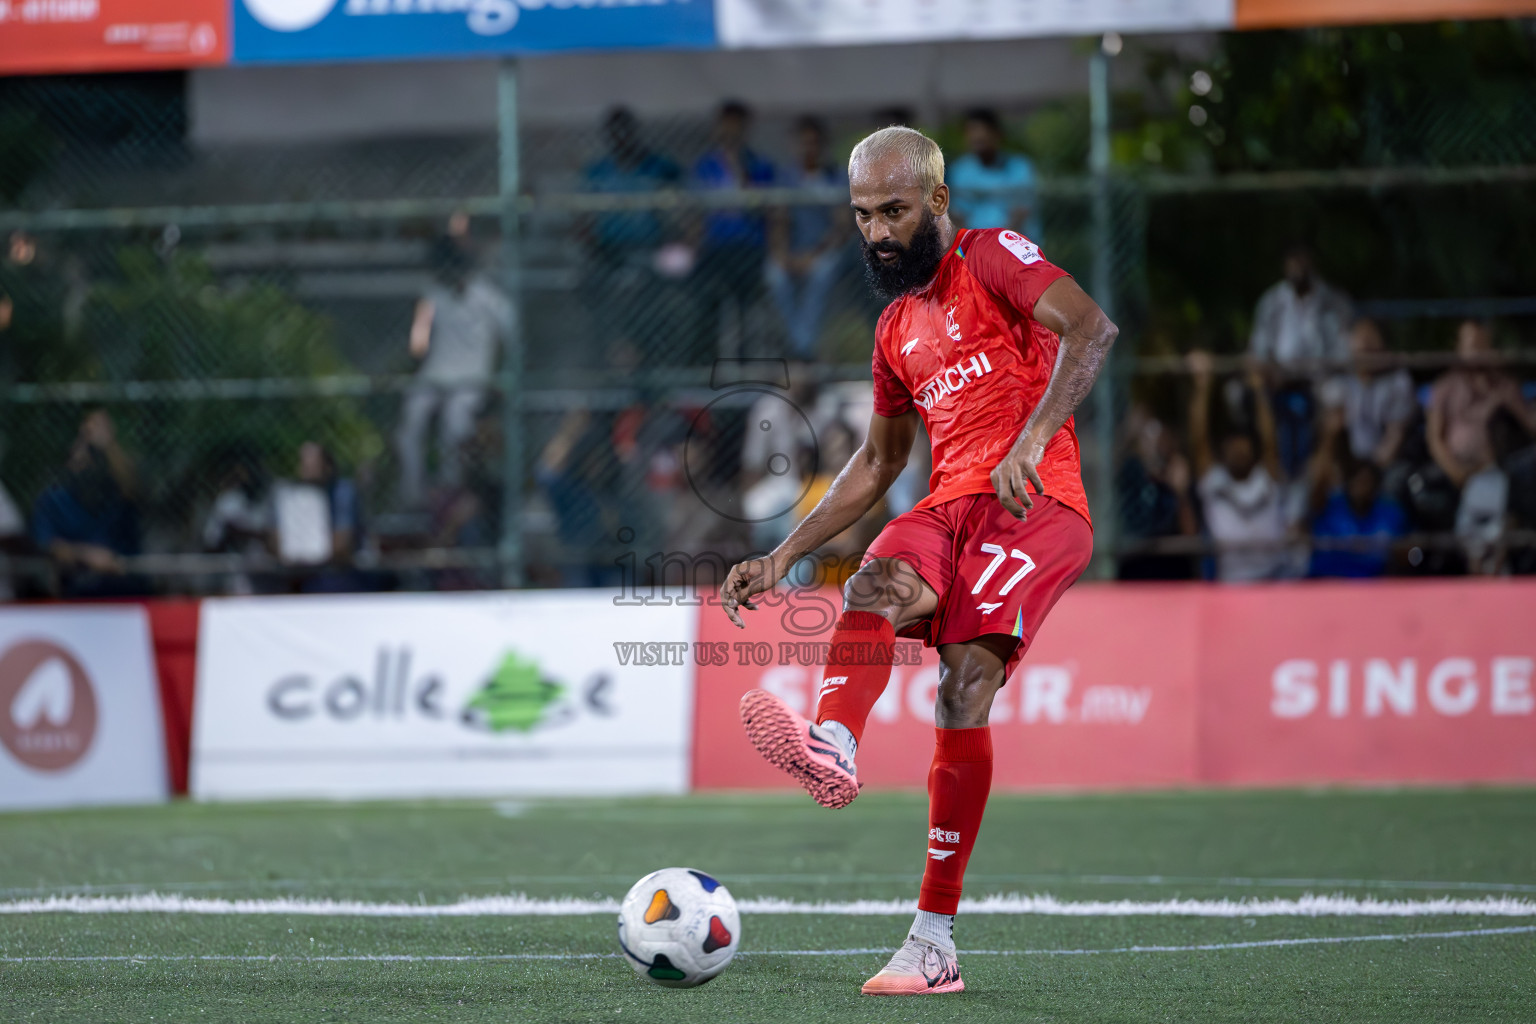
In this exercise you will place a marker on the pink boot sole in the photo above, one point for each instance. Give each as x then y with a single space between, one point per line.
785 741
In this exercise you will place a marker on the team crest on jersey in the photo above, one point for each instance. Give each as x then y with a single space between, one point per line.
950 327
1027 252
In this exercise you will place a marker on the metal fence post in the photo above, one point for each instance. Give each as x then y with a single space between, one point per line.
1107 513
512 426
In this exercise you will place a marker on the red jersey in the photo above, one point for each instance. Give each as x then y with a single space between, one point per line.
966 350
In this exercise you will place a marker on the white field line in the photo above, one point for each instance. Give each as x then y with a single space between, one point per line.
813 878
519 905
868 951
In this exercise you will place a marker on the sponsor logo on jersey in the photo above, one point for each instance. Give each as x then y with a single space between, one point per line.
1027 252
909 346
951 379
939 835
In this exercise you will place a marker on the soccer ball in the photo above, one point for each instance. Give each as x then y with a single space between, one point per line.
679 927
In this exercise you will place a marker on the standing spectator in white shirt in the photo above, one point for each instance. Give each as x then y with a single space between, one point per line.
1240 485
459 323
1298 321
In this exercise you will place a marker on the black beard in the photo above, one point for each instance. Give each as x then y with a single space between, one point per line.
914 265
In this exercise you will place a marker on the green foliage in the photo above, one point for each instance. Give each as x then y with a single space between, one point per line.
166 318
1449 93
26 148
175 322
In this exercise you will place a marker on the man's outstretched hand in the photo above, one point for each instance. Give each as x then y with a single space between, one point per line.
745 581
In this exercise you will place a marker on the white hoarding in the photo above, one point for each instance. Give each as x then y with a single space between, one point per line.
79 709
441 695
747 23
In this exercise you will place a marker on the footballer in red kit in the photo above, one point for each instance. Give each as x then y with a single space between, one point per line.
992 348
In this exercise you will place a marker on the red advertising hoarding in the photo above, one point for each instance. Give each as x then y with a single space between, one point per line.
1185 685
1092 705
47 36
1399 682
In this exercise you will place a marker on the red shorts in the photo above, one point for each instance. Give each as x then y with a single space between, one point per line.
992 573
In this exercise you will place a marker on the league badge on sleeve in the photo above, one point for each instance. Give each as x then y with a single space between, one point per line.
1027 252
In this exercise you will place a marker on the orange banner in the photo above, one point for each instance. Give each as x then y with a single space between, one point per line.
45 36
1299 13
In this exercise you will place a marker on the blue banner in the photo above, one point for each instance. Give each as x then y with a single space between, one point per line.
281 31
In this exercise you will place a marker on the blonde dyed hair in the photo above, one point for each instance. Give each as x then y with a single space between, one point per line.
917 153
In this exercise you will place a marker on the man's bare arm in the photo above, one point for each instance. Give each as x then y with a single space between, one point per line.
1086 337
863 481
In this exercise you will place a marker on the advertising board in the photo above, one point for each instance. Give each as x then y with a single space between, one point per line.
47 36
751 23
310 30
1146 685
79 711
1082 710
440 695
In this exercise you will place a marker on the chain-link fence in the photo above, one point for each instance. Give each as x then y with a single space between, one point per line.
335 367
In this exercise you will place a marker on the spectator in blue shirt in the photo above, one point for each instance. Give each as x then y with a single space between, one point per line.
628 167
992 188
732 240
630 285
87 520
1349 508
809 242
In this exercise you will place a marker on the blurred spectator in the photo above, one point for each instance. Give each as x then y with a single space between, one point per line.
1377 402
808 244
992 188
469 515
582 526
632 256
1241 495
819 467
88 521
1153 489
778 424
456 332
728 274
628 167
1299 320
1463 405
240 519
318 520
1349 508
1463 408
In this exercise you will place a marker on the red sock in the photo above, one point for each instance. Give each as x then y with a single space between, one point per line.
958 784
858 667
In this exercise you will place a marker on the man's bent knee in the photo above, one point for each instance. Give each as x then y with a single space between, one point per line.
893 592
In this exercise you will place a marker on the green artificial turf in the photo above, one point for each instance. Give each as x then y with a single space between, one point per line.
1157 846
